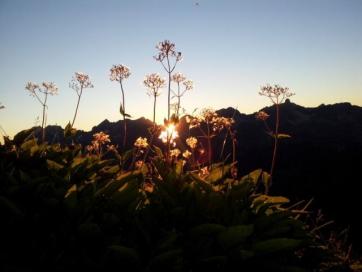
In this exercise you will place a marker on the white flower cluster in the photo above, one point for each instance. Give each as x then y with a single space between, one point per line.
119 72
154 82
44 87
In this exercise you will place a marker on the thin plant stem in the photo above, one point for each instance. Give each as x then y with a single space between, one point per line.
43 121
76 109
154 110
275 145
169 88
178 99
209 143
124 116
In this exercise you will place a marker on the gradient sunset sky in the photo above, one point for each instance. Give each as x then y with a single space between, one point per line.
230 48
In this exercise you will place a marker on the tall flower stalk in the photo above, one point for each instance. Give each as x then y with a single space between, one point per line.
79 82
214 125
277 96
186 85
119 73
154 83
167 52
45 88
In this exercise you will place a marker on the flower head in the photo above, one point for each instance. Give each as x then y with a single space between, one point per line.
49 88
119 72
189 85
31 87
219 123
178 77
167 49
101 138
187 154
174 153
44 87
154 83
276 93
204 172
262 115
80 81
191 142
141 143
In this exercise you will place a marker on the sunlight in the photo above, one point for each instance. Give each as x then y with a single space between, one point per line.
169 134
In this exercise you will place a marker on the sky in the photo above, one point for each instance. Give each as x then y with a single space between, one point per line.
230 49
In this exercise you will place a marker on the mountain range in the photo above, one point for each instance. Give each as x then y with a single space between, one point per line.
322 159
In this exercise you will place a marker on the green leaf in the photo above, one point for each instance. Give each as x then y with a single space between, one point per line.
206 230
266 179
26 146
276 245
54 165
283 136
158 151
7 207
167 259
272 199
123 255
218 171
214 262
252 177
121 110
179 167
69 131
114 185
235 235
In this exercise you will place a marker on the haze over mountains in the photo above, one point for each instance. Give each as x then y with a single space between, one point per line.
322 159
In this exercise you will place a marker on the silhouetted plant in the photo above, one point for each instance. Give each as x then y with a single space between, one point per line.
157 217
100 140
214 124
277 95
187 86
167 51
119 73
3 132
154 83
45 88
79 82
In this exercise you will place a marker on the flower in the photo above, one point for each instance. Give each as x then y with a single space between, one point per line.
141 143
262 115
154 82
178 77
208 115
111 148
44 87
100 138
167 49
189 85
119 72
175 153
219 123
31 87
276 93
187 154
204 172
80 81
191 142
169 134
50 88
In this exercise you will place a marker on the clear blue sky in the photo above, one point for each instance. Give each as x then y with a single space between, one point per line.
230 49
